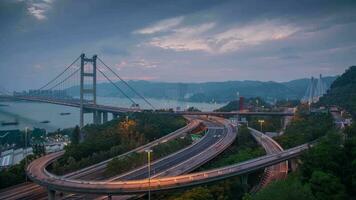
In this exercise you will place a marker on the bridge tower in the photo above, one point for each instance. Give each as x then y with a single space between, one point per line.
87 72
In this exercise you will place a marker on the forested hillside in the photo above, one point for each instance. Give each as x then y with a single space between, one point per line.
343 91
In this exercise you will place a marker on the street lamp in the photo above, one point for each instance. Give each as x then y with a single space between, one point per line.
149 151
26 129
261 121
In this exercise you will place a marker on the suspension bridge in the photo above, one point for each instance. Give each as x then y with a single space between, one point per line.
76 86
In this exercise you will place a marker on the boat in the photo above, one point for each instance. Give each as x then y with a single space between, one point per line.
9 123
45 122
65 113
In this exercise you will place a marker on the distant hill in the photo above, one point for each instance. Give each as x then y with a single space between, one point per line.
211 91
235 104
342 92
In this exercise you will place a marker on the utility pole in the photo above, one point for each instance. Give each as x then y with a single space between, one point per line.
26 129
237 108
261 121
149 151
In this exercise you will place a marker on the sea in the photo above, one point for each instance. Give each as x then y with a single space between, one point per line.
53 117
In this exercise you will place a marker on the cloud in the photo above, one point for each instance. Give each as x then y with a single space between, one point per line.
137 63
39 8
145 78
163 25
251 34
38 66
208 37
145 64
184 39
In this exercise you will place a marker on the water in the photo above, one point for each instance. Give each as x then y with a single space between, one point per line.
31 114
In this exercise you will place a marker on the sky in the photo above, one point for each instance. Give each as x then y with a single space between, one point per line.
177 41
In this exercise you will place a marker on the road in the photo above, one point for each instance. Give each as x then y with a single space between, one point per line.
274 172
157 184
215 140
34 191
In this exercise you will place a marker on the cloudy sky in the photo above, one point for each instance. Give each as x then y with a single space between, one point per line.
185 40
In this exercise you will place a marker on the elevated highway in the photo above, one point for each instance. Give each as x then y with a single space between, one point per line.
117 110
34 191
192 156
38 173
274 172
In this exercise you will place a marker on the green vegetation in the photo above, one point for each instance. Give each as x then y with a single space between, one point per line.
113 138
134 160
234 105
291 188
328 171
243 148
305 128
288 103
270 124
193 109
343 92
231 106
75 137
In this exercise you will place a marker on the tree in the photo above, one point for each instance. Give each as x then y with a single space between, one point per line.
75 135
198 193
291 189
326 186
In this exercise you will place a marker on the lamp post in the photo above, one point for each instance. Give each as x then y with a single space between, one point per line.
261 121
149 151
26 129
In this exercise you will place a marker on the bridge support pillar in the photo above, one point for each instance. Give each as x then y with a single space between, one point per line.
243 179
97 117
51 195
115 115
105 117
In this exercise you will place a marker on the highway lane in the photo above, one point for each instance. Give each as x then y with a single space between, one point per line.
39 173
168 165
26 191
165 183
175 159
274 172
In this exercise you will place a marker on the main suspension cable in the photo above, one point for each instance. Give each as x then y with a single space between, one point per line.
137 93
117 87
60 74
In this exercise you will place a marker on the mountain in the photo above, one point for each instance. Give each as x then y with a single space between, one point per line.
342 92
209 91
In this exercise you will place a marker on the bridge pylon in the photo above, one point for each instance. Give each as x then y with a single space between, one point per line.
87 72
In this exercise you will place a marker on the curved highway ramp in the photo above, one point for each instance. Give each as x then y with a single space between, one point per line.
34 191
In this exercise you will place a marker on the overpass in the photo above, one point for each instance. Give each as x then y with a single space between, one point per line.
104 109
183 161
38 173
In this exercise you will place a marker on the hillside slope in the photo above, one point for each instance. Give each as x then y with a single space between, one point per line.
343 92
